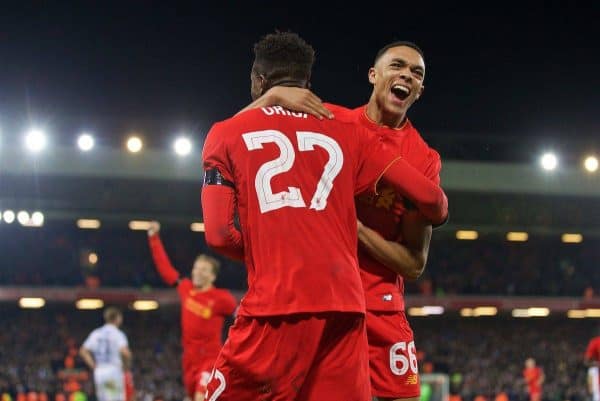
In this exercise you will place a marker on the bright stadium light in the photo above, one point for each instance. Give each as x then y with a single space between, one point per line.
37 219
89 303
8 216
93 258
485 311
35 140
549 161
145 305
591 164
23 217
572 238
426 310
182 146
88 224
142 225
576 314
85 142
134 144
469 235
595 312
32 303
517 236
467 312
197 227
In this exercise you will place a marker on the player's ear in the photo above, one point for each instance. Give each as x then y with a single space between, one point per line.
372 75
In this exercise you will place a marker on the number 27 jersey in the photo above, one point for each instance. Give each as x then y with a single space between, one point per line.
295 179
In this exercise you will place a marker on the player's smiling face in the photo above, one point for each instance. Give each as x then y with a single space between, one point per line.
202 274
397 78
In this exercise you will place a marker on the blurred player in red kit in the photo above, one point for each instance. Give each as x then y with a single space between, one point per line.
534 378
300 332
203 310
394 236
592 361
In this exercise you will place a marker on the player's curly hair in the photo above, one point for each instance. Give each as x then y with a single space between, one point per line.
283 55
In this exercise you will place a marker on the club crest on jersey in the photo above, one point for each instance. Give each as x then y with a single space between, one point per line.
278 110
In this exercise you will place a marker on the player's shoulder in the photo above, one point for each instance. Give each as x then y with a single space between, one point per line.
419 143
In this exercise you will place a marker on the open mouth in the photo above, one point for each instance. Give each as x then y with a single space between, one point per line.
400 91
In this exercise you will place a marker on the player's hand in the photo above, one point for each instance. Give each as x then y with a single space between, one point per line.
154 228
360 225
298 99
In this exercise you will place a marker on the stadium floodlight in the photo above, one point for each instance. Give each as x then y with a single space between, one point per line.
37 219
8 216
426 310
142 225
93 258
517 236
88 224
32 302
85 142
35 140
592 312
572 238
182 146
549 161
89 303
469 235
145 305
23 217
467 312
576 314
591 164
485 311
197 227
134 144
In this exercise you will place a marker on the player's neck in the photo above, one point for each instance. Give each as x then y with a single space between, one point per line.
379 116
204 287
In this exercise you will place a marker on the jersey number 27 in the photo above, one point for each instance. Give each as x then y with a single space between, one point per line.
292 197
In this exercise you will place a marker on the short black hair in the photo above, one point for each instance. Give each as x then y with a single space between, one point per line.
398 43
283 55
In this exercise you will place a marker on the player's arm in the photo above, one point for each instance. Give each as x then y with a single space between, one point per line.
126 357
408 259
161 260
428 197
218 208
87 357
292 98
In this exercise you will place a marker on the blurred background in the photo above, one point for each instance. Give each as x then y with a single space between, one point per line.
103 111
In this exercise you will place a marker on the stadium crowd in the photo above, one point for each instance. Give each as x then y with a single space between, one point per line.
540 266
482 356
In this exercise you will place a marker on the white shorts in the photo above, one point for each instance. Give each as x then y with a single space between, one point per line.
594 383
110 383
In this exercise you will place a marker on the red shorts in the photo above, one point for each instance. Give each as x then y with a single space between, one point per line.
392 356
302 357
195 379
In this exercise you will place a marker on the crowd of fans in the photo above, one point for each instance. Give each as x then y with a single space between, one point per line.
59 255
482 356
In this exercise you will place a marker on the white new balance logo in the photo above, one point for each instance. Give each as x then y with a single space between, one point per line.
387 297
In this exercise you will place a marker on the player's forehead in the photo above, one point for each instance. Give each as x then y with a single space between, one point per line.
404 53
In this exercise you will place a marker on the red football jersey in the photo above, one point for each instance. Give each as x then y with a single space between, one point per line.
295 179
593 349
532 378
202 317
384 289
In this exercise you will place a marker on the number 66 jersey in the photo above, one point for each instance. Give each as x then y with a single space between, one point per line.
295 178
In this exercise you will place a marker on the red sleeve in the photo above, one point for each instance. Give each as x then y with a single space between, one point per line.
434 166
215 154
218 201
184 287
218 209
228 304
591 351
161 260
